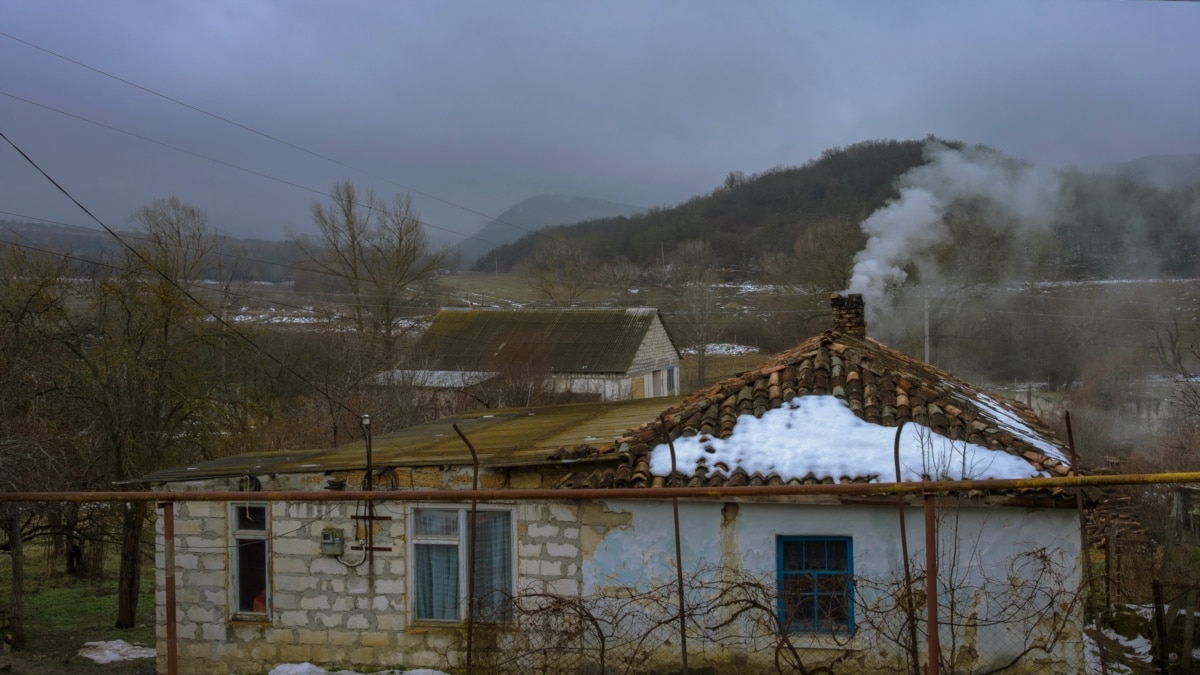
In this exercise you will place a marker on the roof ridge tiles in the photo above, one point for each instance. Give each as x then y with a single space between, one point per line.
878 384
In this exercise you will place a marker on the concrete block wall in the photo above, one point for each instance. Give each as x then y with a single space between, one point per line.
324 611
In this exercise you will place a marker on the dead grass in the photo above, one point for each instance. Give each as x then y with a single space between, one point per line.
717 368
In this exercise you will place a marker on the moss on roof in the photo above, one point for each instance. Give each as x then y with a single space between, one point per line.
563 340
509 437
878 384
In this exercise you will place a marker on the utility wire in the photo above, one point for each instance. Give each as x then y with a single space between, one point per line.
265 135
253 172
138 254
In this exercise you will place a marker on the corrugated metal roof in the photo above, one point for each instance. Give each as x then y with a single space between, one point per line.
510 437
564 340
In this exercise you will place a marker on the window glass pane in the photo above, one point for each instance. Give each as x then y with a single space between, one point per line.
435 581
814 555
443 522
839 555
798 596
251 564
793 555
833 607
816 586
251 517
493 566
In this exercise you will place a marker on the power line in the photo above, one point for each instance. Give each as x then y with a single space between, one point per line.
253 172
149 265
263 134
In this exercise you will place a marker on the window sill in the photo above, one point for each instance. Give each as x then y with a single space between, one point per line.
826 641
430 625
250 618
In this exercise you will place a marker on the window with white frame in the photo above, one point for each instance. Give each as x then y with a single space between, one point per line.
249 559
439 563
816 584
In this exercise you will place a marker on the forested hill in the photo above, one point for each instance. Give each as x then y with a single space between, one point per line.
747 215
1001 218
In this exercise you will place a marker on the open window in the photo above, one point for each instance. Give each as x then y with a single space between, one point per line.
439 564
249 561
816 584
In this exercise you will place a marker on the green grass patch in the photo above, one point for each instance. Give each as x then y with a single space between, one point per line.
61 613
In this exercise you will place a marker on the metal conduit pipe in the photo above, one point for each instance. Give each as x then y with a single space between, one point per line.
569 494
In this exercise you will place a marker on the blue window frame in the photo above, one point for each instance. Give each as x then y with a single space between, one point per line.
816 584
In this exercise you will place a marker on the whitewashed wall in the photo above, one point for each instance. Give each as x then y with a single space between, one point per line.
743 536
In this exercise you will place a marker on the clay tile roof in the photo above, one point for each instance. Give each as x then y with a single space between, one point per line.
879 384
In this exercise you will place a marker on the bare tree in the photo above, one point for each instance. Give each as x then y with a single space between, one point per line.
175 239
378 250
692 280
144 367
559 271
34 451
825 253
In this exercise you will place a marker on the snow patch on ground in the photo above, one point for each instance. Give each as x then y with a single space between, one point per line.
115 650
722 349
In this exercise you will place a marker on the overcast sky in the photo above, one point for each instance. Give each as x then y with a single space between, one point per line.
483 104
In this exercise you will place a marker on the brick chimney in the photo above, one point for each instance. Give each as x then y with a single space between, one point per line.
849 315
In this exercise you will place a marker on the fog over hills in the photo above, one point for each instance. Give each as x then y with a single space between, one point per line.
900 212
535 213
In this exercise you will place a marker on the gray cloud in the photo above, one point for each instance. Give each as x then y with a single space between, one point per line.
485 103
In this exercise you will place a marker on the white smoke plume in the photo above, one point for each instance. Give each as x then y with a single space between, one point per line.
901 231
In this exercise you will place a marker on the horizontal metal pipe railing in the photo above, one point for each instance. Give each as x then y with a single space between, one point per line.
575 494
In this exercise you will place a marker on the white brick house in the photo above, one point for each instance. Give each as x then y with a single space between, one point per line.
262 582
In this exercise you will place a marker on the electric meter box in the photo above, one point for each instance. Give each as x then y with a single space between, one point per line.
332 541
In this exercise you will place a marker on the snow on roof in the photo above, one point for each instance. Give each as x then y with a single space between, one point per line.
821 436
1017 427
827 410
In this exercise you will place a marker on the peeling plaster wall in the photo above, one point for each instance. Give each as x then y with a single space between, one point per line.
640 553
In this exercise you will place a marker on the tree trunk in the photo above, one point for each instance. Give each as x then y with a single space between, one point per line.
16 629
129 578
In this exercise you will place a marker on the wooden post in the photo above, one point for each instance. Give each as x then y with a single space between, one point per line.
1110 565
1189 625
169 565
678 554
1160 627
931 586
471 542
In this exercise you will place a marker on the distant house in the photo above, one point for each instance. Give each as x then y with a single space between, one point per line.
596 354
569 584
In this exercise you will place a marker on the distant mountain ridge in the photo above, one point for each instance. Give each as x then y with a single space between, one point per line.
535 213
